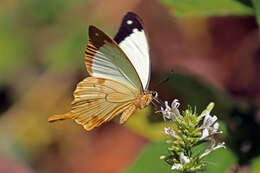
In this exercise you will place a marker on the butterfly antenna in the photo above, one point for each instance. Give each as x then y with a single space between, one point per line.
166 79
155 105
159 101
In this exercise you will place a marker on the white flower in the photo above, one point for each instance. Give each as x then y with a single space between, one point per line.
175 105
208 120
215 128
184 159
167 131
170 112
212 147
209 126
167 111
221 145
205 134
176 166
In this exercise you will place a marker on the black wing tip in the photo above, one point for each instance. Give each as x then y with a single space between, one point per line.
133 15
130 13
92 28
127 28
98 37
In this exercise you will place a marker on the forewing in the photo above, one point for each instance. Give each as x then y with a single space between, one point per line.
97 100
105 59
132 40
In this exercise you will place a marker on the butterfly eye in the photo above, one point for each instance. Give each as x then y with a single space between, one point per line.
154 94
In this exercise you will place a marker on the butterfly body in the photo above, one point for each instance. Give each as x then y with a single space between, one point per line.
119 76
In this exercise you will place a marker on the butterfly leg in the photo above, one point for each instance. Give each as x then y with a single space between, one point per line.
127 113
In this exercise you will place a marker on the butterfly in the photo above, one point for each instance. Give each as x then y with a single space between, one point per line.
119 72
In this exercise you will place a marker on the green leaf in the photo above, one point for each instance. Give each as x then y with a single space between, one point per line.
204 94
208 8
256 5
220 160
255 167
149 160
246 2
223 128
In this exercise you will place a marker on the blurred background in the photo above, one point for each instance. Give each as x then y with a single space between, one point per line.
208 51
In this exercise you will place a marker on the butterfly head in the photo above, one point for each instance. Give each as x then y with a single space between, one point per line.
154 94
151 95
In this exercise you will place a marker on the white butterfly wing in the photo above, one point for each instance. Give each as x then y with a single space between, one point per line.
105 59
132 40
